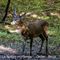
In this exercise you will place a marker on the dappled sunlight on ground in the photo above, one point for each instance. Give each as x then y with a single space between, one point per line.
7 49
55 14
12 29
33 15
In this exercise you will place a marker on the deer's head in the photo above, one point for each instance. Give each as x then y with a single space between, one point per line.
17 19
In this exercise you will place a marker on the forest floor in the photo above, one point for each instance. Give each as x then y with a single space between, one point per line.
13 51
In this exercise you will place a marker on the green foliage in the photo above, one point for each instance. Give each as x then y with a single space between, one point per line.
38 7
6 36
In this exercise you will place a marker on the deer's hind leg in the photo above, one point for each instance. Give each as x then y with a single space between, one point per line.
44 37
31 42
42 41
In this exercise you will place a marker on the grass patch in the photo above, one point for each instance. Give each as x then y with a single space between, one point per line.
4 35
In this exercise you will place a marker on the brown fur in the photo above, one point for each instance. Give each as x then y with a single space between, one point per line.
33 29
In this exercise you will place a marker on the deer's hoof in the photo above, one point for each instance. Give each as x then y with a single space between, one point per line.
30 54
46 55
39 53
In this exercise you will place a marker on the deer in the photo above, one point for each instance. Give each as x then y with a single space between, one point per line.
32 29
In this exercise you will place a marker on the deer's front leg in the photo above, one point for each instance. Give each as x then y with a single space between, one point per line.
31 42
46 38
24 43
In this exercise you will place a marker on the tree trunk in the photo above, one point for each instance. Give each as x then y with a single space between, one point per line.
6 11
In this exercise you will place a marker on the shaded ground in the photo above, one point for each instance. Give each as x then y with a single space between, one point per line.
13 51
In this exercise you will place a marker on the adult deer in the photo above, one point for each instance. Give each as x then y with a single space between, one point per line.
31 29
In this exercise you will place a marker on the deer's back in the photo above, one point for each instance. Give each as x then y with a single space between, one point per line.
37 27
